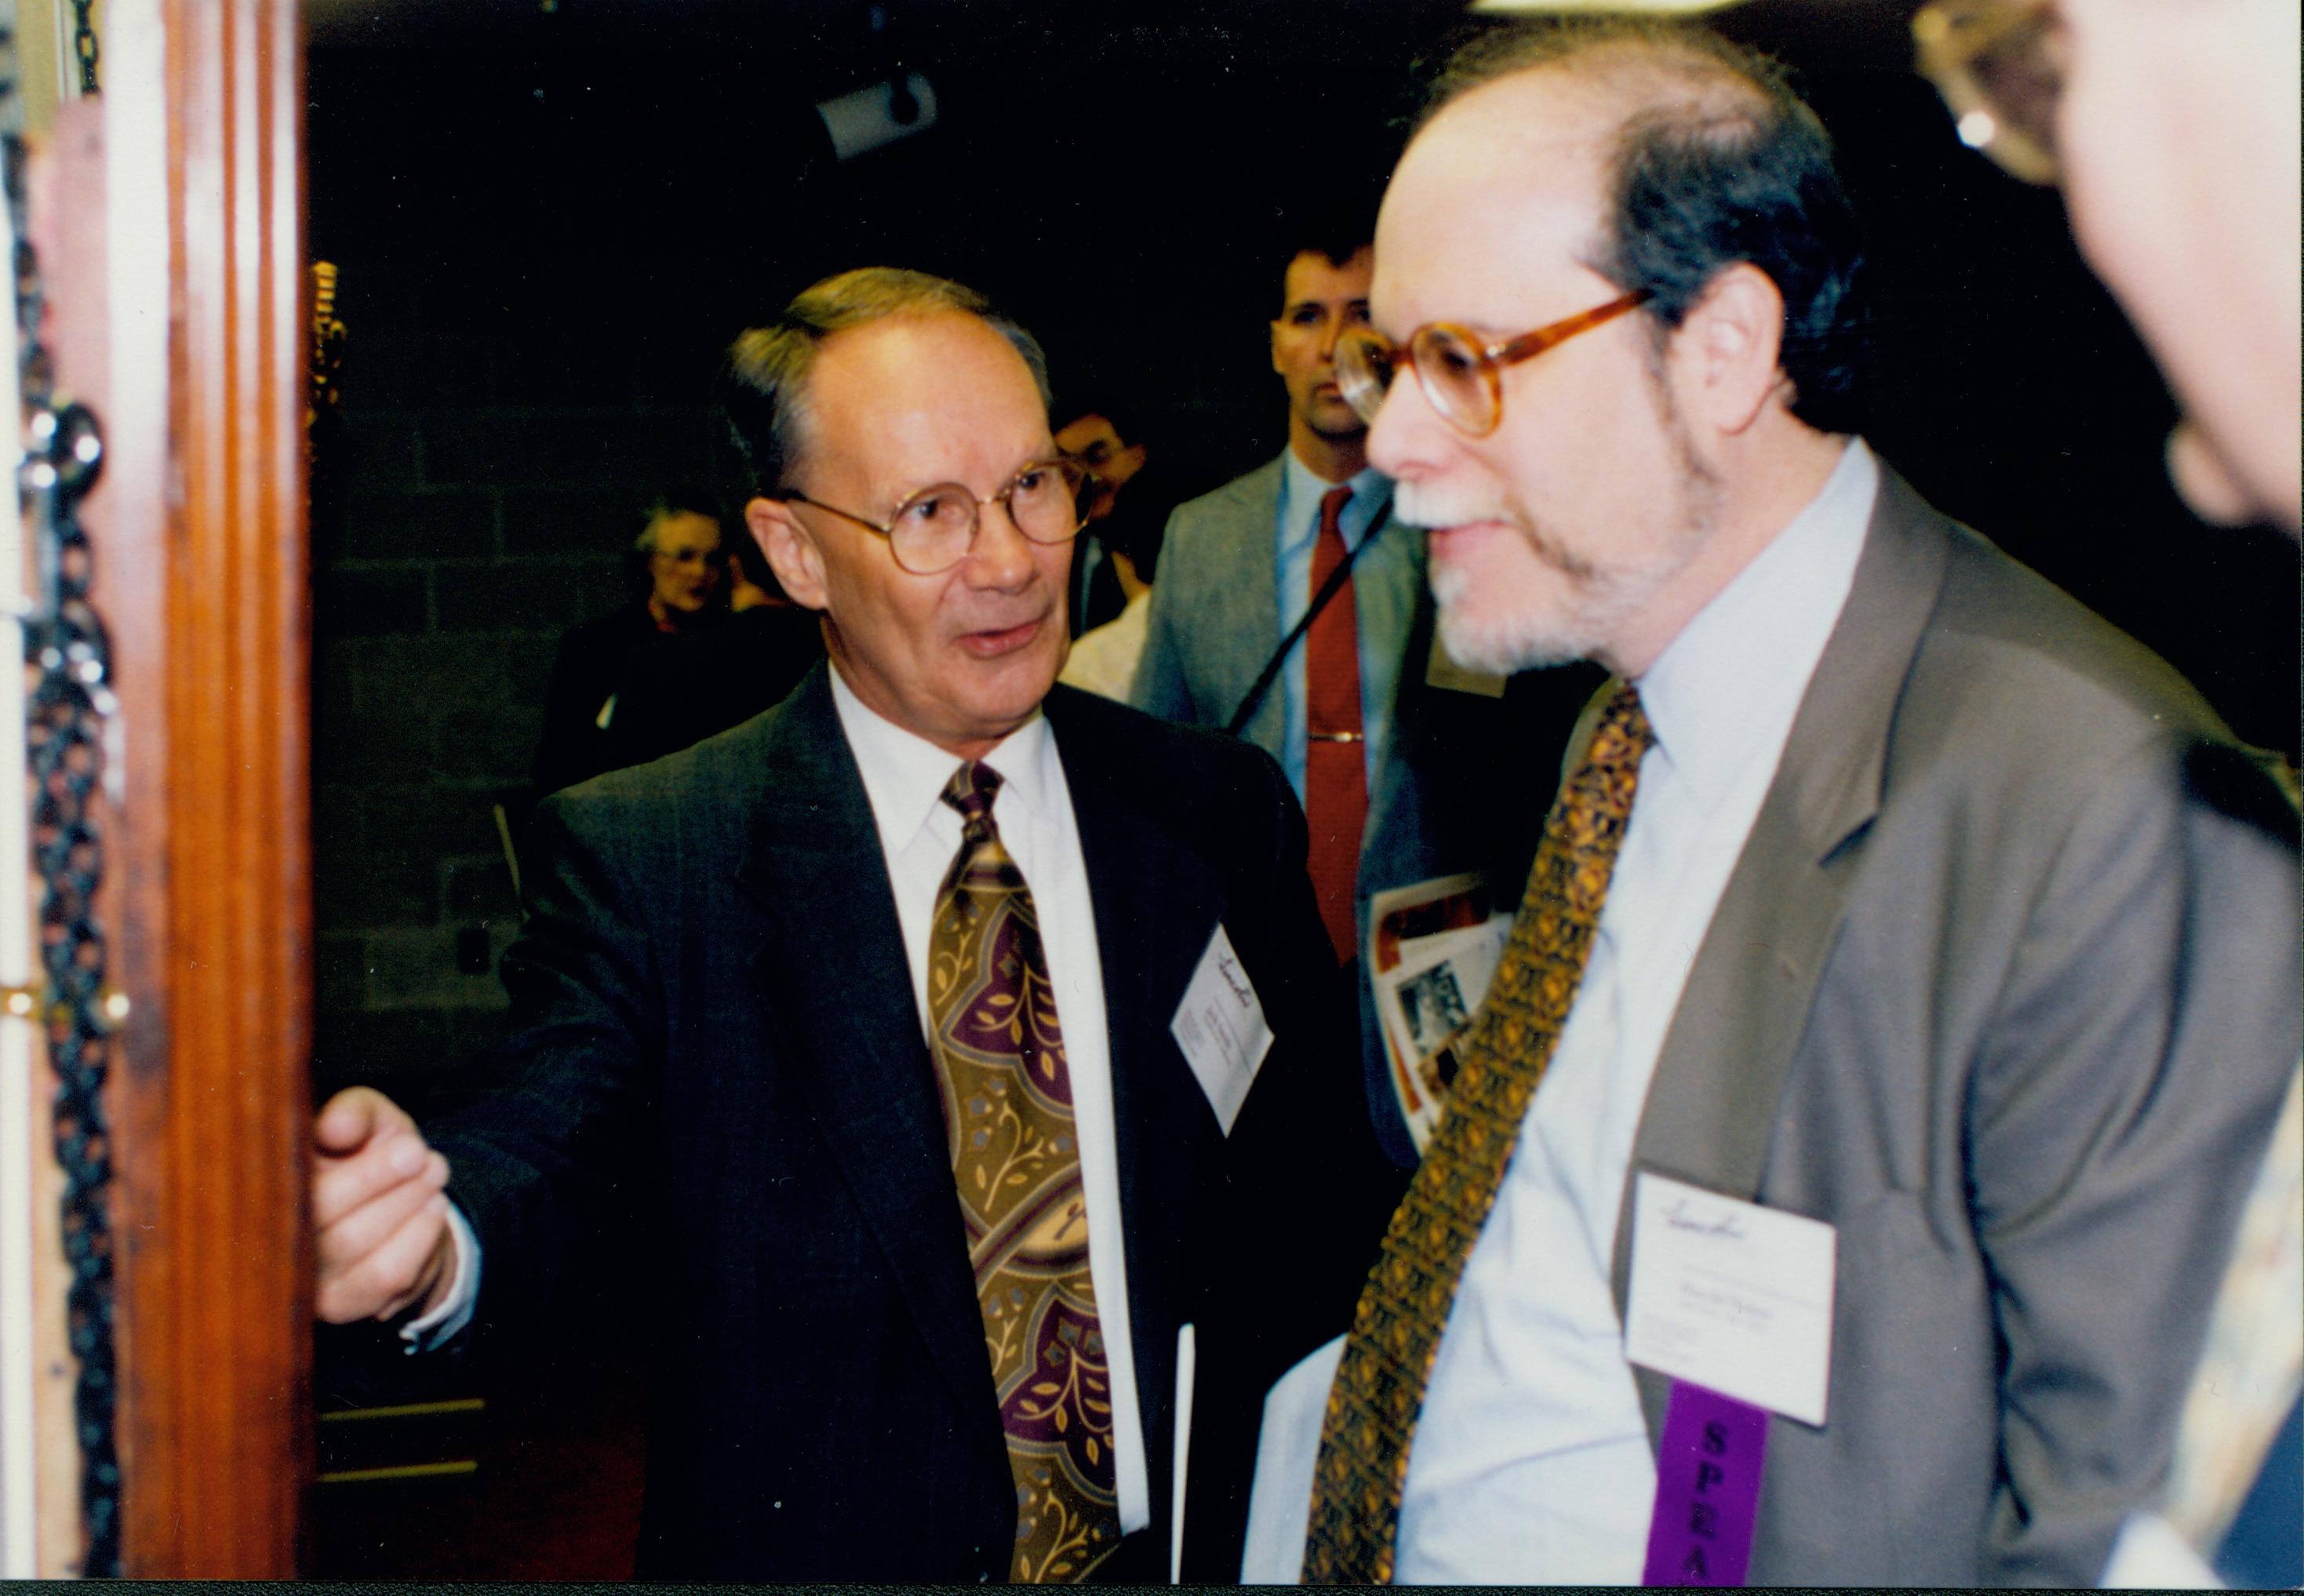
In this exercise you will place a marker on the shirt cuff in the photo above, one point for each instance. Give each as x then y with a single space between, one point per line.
445 1322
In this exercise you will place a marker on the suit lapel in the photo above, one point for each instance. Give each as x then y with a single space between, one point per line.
832 964
1154 904
1713 1102
1252 606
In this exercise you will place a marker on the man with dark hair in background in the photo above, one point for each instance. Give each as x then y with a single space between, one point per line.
1132 490
1106 437
1841 1165
959 1053
1394 753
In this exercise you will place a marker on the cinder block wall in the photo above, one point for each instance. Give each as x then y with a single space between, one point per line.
543 255
462 543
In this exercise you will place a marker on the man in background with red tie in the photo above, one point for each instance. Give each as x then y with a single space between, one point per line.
955 1054
1392 750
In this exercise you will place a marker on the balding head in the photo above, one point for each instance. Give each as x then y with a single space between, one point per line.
1633 465
1702 156
764 387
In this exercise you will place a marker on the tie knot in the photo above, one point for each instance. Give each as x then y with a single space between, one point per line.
1332 507
1624 734
971 789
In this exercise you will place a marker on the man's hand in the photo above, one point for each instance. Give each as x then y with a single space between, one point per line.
382 1219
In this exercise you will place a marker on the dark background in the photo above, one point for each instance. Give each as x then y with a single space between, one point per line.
551 216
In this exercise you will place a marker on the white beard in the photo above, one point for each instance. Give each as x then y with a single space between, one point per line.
1575 622
1587 601
1497 643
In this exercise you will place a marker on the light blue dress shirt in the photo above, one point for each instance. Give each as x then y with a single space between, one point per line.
1384 581
1532 1462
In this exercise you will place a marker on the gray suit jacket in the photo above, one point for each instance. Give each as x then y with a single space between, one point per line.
2005 987
1452 793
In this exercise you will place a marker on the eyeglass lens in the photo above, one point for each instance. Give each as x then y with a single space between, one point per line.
2019 75
934 529
1365 367
1999 65
1455 376
1452 374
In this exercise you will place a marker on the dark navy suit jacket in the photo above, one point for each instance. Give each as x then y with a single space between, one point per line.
715 1029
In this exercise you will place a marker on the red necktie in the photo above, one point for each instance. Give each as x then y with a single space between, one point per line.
1335 765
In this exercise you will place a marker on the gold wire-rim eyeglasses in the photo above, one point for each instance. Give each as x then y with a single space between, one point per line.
1999 65
909 548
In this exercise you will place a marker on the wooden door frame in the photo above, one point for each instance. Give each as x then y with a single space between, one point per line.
203 580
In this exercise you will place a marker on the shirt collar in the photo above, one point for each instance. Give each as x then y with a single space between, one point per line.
1742 664
905 774
1301 491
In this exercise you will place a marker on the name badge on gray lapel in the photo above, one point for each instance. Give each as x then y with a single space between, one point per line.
1441 671
1731 1296
1221 1027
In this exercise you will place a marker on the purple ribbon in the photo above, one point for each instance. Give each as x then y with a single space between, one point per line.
1707 1489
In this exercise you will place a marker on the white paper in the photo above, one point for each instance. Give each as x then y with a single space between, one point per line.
1287 1456
1187 1351
1221 1026
1731 1296
1425 999
1394 908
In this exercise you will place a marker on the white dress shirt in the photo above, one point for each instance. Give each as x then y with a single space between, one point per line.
1532 1462
1104 662
904 776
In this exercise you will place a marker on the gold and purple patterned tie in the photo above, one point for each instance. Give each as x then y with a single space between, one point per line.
1395 1335
1015 1157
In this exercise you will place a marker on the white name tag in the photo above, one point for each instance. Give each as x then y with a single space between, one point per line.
1220 1025
1731 1296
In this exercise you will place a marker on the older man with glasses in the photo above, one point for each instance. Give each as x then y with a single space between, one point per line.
1840 1167
959 1033
2171 126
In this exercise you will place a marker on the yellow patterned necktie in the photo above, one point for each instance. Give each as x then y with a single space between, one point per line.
1015 1158
1395 1335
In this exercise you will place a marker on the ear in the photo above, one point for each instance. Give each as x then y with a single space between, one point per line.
1134 454
1725 353
1276 367
791 552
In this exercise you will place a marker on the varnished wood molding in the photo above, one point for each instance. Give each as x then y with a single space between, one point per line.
203 580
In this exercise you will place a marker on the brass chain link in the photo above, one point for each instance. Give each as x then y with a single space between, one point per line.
84 43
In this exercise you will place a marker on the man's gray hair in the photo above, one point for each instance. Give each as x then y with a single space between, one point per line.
764 386
683 500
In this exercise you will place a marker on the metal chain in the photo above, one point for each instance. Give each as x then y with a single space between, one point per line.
84 43
68 658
